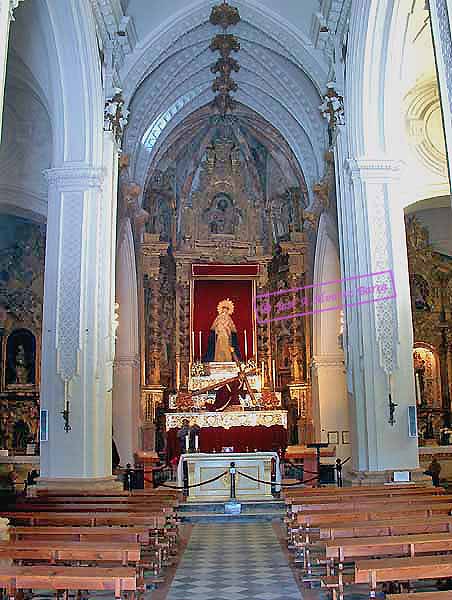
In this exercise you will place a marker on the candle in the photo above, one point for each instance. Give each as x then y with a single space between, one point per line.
418 389
193 344
200 345
262 374
246 346
187 442
196 443
274 373
177 375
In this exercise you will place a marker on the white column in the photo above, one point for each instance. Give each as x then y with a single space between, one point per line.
78 322
441 19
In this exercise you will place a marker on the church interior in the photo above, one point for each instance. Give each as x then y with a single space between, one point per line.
226 299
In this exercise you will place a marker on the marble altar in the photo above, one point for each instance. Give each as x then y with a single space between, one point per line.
202 467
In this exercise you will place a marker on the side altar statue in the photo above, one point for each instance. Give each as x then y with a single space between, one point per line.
226 399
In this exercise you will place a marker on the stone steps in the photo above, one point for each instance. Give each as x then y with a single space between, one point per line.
214 512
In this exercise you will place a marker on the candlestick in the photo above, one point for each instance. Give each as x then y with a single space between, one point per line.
193 344
246 347
274 373
200 345
418 389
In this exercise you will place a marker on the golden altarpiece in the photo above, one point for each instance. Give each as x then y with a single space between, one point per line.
218 223
431 298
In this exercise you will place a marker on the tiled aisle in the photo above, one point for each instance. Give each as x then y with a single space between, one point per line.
233 561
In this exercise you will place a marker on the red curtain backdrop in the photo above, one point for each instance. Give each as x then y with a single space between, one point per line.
243 439
207 294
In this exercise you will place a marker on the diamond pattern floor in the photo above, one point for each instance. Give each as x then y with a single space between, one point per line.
233 561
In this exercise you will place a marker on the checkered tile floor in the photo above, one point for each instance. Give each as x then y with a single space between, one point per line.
233 561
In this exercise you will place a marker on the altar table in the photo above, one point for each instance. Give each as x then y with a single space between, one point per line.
245 431
202 467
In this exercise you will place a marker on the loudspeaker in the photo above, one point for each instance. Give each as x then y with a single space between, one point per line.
412 421
44 425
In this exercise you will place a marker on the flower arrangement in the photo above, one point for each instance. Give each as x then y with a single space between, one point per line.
184 402
269 400
198 369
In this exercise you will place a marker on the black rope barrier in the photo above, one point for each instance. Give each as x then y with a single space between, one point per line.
175 487
274 483
299 467
299 482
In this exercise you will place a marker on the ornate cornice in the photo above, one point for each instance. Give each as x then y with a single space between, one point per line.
378 170
76 178
335 361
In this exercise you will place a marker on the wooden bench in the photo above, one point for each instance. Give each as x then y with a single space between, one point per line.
386 527
446 595
377 571
60 550
318 518
388 490
397 545
372 503
92 519
134 534
97 507
37 577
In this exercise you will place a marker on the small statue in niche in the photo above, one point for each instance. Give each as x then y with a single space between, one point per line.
21 368
221 215
420 294
21 435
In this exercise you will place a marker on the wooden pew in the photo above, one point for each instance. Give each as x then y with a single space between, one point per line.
91 519
60 550
134 534
387 490
372 513
446 595
377 571
371 503
97 507
340 550
440 524
37 577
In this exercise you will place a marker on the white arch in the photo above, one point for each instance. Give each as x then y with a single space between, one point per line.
126 378
329 391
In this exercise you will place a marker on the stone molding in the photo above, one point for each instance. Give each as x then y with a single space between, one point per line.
127 361
381 170
335 361
75 178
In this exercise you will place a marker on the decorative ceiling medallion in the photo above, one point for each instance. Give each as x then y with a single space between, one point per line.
425 127
224 15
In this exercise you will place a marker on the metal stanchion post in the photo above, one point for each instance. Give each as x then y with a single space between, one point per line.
185 477
273 477
232 476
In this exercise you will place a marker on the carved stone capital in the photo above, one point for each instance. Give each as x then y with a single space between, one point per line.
74 178
380 170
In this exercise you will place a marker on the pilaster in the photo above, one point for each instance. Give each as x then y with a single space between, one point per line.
379 334
79 320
